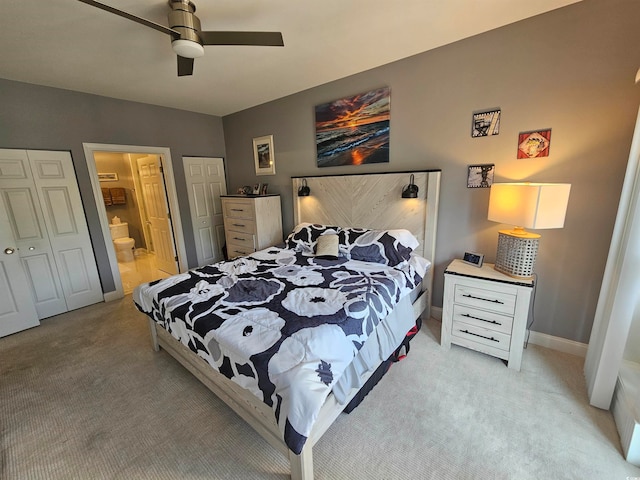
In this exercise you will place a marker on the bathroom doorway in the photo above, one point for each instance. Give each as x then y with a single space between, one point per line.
137 205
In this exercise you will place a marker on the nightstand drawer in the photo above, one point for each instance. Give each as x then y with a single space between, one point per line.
241 240
482 336
482 319
494 301
239 210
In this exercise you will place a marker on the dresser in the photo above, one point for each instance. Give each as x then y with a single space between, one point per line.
251 223
485 310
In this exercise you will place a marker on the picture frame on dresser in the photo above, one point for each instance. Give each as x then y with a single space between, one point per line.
264 156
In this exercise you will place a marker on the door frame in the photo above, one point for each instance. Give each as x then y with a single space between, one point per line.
618 302
172 197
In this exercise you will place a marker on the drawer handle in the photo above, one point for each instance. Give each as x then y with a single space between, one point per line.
241 252
483 299
478 335
239 238
481 319
237 210
238 225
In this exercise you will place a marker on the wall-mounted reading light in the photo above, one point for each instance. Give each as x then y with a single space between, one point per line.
304 190
411 190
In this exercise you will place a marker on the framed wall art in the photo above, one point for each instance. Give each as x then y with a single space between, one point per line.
264 156
486 123
354 130
107 177
480 176
534 144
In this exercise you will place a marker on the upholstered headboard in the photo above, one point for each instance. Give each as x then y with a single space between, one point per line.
374 201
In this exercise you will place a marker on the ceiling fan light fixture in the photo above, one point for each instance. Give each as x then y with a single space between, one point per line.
187 48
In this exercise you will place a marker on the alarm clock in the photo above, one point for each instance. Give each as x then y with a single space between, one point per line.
473 258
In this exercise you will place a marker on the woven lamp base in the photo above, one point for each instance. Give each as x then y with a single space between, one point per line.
516 255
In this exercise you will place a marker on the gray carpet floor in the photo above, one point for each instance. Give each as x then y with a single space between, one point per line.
84 396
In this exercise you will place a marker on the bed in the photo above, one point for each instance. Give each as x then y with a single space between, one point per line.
288 335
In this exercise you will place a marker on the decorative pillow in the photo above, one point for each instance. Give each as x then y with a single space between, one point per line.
305 236
327 246
388 247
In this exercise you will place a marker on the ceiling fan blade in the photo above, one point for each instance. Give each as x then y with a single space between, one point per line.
185 66
143 21
267 39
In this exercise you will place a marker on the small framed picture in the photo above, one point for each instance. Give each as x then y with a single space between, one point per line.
534 144
264 156
263 190
480 176
486 123
256 188
107 177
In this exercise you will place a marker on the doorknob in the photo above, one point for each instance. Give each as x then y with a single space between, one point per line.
9 250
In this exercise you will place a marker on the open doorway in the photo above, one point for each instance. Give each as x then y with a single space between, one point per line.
138 209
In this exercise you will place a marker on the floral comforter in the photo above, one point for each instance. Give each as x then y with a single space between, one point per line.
279 323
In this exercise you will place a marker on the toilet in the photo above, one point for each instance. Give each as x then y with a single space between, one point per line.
123 244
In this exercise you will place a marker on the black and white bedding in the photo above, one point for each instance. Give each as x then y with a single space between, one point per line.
284 323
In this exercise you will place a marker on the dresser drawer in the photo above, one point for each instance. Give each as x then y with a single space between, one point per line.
483 319
240 225
494 301
238 210
234 251
480 335
241 240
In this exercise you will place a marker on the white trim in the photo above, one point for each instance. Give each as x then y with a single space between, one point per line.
176 222
558 343
115 295
618 300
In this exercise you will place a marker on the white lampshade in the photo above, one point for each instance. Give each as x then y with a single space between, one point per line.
187 48
529 205
525 205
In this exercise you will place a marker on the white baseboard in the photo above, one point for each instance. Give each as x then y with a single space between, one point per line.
558 343
111 296
542 339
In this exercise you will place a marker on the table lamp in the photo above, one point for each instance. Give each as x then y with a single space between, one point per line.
525 205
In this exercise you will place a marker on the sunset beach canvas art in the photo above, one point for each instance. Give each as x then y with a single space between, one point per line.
354 130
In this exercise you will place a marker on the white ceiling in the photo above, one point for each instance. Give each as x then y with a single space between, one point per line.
71 45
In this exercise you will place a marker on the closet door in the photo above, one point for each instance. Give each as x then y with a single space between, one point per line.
17 310
22 209
205 183
46 224
57 188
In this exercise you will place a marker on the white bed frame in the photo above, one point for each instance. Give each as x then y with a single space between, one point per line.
373 196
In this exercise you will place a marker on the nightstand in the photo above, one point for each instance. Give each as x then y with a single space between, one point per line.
485 310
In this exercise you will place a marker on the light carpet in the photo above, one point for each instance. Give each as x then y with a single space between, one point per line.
84 396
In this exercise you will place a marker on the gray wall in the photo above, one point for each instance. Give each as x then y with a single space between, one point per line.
571 70
35 117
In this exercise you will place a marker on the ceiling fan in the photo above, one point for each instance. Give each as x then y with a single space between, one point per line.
187 40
